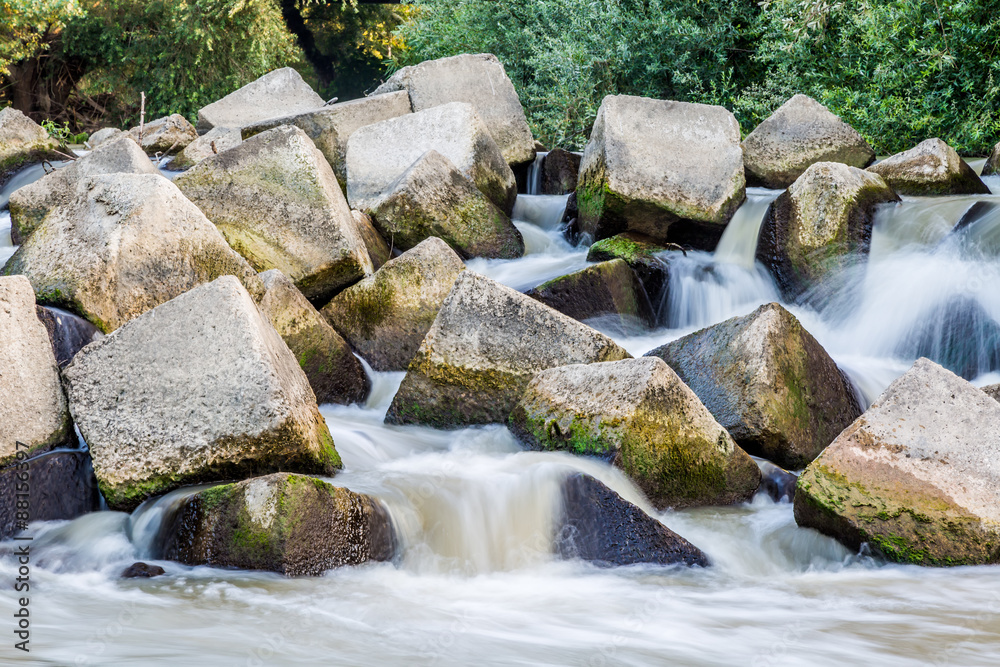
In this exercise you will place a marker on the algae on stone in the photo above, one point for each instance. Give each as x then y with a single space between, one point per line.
23 142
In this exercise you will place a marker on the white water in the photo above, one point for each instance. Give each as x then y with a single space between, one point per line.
475 582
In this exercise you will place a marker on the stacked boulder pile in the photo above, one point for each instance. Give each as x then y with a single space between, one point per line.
205 319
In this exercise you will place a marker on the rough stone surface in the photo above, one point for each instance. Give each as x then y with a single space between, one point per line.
291 524
992 390
213 142
23 142
201 388
386 316
378 250
932 167
609 290
378 154
142 570
992 166
331 126
275 199
61 487
768 382
31 203
800 133
68 333
31 399
776 482
124 244
477 79
334 373
485 345
599 526
278 93
645 256
165 136
637 415
917 476
560 170
651 163
822 221
432 198
102 136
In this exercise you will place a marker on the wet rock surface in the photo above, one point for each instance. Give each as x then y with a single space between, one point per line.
645 256
560 172
142 570
61 486
68 333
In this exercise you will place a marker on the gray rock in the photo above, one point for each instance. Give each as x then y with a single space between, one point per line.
992 165
31 398
61 487
479 80
31 203
142 571
639 416
932 167
776 482
916 477
201 388
294 525
800 133
102 136
23 142
124 244
992 390
278 93
378 250
560 172
213 142
822 222
335 374
768 382
386 316
68 333
432 198
485 345
379 153
645 256
651 164
165 136
275 199
331 126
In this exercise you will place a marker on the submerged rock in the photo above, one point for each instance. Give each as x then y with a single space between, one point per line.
608 290
291 524
485 345
35 416
644 255
281 92
639 416
61 487
378 154
959 334
823 221
331 126
432 198
275 199
198 389
142 570
992 165
68 333
215 141
31 203
477 79
560 172
916 477
386 316
799 134
932 167
768 382
124 244
652 163
23 142
599 526
165 136
334 373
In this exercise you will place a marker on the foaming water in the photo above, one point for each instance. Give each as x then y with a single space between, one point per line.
7 247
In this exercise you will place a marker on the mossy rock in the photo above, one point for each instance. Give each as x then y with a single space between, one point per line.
23 142
932 167
643 254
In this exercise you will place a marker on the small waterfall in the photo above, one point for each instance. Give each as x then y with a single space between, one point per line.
543 211
7 247
147 527
534 184
738 244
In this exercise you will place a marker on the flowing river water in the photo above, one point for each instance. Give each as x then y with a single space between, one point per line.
475 581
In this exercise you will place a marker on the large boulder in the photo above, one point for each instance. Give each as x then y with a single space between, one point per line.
334 373
386 316
201 388
378 154
822 221
68 333
799 134
102 136
651 165
331 126
992 165
768 382
124 244
485 345
560 172
35 416
31 203
275 199
281 92
932 167
291 524
477 79
599 526
637 415
22 142
213 142
645 256
432 198
61 486
164 136
916 477
609 291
